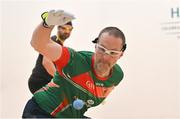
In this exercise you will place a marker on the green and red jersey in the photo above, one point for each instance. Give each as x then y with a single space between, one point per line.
75 78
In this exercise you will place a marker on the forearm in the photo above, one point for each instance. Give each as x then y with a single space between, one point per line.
49 66
40 37
51 70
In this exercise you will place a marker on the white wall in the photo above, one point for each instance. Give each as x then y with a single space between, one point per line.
151 86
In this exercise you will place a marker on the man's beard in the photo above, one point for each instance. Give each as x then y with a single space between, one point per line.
102 67
64 36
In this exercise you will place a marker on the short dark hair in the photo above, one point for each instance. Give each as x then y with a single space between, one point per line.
115 32
69 23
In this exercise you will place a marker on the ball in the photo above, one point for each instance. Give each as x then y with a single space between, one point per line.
78 104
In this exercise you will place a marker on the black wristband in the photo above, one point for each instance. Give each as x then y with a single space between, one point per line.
45 24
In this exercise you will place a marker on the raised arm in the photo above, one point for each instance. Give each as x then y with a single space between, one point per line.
41 42
41 36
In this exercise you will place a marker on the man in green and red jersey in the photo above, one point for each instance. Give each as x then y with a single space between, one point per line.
83 79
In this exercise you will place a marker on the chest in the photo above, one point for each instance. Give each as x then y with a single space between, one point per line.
86 87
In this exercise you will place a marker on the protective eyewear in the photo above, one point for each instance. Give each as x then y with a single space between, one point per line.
103 50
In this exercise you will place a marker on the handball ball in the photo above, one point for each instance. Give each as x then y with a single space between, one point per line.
78 104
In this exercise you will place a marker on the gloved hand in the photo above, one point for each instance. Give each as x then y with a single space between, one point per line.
56 17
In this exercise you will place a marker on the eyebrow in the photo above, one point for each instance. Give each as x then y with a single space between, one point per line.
110 49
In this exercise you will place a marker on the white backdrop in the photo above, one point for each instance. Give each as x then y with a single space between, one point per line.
151 86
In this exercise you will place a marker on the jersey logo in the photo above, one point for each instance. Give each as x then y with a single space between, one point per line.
90 85
99 84
89 103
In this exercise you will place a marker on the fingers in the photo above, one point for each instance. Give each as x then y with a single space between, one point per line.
59 12
58 17
52 12
69 15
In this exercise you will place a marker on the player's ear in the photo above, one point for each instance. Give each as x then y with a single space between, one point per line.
121 55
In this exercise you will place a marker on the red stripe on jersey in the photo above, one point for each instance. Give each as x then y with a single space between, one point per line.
63 60
60 107
103 92
86 82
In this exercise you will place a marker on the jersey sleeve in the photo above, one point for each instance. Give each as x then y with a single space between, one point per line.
66 59
118 75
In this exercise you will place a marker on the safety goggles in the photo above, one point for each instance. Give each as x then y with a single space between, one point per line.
103 50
